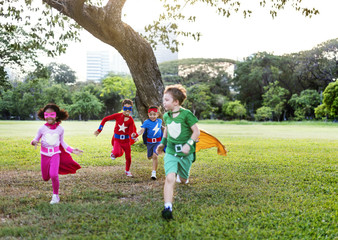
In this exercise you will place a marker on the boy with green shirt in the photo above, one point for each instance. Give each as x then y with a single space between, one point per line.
180 134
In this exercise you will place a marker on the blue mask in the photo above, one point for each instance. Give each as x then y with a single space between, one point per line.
127 108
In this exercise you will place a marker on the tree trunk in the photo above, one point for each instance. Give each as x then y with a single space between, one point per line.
105 24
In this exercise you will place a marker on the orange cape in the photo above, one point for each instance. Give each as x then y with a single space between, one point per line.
206 140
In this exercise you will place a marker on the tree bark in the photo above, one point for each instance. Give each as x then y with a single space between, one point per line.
105 24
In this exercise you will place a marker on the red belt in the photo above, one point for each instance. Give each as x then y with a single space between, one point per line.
50 149
153 140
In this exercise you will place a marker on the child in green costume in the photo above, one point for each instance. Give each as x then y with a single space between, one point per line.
180 134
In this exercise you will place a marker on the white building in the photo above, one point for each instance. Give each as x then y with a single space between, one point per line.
101 62
98 65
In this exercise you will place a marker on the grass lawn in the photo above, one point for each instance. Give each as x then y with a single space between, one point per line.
279 181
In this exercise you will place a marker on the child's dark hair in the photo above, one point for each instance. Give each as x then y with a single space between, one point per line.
127 101
61 114
177 91
153 106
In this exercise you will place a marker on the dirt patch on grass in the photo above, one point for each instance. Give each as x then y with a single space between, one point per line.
19 184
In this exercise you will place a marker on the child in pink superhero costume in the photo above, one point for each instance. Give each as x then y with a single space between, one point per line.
124 133
55 153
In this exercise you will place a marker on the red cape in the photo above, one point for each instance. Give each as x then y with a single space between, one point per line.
67 164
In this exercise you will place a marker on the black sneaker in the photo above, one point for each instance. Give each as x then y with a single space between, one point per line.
167 214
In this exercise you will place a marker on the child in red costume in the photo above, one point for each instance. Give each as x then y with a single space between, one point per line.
124 133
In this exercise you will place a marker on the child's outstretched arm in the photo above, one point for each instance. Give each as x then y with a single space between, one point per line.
36 140
194 137
141 131
103 122
96 133
161 146
77 151
35 143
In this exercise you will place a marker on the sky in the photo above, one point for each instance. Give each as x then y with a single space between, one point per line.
233 38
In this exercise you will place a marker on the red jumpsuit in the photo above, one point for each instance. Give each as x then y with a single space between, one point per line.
121 140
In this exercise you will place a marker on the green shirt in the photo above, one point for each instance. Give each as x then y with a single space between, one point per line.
179 130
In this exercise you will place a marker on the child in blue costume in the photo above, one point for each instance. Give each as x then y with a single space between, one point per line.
152 129
180 134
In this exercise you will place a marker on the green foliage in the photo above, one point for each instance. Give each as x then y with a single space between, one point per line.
305 104
27 28
61 73
85 105
199 100
275 98
4 83
317 67
124 86
234 109
58 94
331 98
263 113
198 74
277 182
321 112
252 75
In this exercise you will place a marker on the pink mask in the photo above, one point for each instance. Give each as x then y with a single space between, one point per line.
52 115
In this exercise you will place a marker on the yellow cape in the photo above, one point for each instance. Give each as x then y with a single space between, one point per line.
206 140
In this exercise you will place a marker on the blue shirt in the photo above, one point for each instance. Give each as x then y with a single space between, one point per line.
153 128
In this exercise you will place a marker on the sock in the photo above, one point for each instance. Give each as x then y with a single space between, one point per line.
153 171
168 205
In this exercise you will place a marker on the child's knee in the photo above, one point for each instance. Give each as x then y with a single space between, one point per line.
170 178
54 176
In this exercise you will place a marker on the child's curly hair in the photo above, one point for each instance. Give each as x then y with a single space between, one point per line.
177 91
61 114
127 101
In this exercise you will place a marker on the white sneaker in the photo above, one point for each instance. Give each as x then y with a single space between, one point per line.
55 199
112 156
178 180
153 175
128 173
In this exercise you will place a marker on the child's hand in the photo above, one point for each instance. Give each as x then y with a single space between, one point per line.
77 151
133 135
185 149
96 133
35 143
160 149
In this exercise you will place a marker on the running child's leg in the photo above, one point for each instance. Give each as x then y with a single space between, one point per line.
45 162
117 150
54 172
169 188
127 149
155 164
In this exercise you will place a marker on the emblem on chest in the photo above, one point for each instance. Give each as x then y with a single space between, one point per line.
51 138
174 129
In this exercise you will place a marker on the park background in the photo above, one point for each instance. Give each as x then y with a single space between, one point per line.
278 181
275 113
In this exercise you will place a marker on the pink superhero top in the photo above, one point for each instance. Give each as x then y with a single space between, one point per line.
51 140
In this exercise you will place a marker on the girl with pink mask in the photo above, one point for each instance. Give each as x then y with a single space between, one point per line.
55 153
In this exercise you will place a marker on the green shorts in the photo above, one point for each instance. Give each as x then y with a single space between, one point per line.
178 165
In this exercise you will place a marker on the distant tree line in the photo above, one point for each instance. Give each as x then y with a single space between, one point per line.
56 83
264 87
